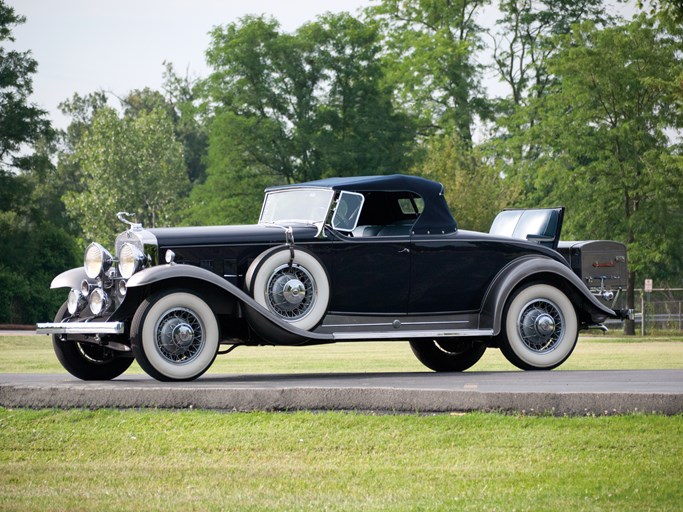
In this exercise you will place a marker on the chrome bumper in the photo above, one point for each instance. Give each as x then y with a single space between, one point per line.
81 328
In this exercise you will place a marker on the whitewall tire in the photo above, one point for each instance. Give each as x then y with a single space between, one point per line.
298 293
540 328
175 336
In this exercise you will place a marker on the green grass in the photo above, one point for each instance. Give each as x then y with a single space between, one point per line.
28 354
201 460
204 460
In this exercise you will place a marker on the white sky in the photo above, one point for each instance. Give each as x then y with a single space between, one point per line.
86 45
117 46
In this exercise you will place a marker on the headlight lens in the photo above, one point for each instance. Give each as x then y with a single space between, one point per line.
75 301
97 260
98 301
130 260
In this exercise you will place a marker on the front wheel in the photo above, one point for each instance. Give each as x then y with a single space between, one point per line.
540 328
174 336
447 355
88 361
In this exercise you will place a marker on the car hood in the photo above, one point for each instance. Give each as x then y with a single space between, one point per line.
224 235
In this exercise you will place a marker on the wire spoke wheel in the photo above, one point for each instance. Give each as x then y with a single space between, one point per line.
291 292
175 335
540 328
293 285
179 335
540 325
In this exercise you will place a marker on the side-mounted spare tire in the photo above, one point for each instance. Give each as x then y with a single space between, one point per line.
297 289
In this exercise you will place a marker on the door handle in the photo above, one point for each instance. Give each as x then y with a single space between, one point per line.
404 250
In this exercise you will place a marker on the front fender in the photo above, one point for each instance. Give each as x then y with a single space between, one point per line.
521 270
273 328
69 279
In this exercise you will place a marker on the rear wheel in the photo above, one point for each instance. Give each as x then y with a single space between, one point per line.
175 336
540 328
448 355
88 361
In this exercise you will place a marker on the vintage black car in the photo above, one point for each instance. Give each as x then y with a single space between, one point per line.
342 259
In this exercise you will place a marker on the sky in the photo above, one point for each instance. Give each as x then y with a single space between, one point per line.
87 45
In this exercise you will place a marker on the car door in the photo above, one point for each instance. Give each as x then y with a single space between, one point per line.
369 275
451 273
369 265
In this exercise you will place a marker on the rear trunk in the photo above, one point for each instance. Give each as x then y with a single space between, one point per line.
601 265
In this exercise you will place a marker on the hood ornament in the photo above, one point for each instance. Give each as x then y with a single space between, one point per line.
134 226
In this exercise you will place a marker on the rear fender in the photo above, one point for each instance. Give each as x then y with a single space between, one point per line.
524 270
270 327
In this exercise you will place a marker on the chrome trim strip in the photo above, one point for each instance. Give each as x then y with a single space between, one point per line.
390 324
80 328
401 335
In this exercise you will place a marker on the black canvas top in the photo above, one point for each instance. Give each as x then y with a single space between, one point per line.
436 217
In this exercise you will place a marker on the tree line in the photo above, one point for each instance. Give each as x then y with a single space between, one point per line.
591 120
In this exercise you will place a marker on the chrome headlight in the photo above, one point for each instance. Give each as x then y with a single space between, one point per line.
97 260
75 301
130 260
98 301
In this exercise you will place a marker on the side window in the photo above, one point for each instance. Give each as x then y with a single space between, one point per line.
388 214
347 212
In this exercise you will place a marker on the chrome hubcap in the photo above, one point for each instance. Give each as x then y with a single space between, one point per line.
294 291
291 292
540 325
179 335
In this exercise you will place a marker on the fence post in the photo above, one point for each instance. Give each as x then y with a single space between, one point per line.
642 314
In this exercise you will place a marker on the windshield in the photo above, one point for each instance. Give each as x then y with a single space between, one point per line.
308 205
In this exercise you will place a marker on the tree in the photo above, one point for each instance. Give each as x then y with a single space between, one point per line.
527 39
21 122
129 164
607 142
34 245
294 107
475 191
430 48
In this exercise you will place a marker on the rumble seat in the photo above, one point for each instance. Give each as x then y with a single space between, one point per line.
540 225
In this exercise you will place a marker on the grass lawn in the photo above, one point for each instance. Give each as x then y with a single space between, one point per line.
202 460
206 460
20 354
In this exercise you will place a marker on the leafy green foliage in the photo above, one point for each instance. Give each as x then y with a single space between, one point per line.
128 164
601 142
527 39
21 122
474 190
34 242
294 107
430 58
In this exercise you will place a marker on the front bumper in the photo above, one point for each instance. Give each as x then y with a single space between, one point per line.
80 328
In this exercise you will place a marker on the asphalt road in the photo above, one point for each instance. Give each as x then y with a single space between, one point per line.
557 392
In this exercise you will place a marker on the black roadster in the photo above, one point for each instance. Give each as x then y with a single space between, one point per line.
343 259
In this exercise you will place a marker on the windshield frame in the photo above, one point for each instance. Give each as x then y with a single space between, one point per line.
299 190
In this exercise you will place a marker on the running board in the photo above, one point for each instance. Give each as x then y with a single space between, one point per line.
406 335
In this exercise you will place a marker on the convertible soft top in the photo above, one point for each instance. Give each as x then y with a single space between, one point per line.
436 217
